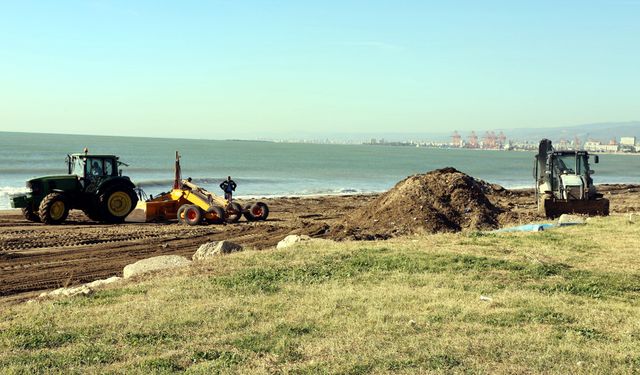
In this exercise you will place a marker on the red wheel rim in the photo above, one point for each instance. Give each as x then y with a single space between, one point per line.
191 214
257 211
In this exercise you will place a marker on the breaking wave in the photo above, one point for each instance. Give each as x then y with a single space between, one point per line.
5 194
168 182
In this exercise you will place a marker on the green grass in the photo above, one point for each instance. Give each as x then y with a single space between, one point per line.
563 301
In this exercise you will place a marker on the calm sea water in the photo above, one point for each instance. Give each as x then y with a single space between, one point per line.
273 169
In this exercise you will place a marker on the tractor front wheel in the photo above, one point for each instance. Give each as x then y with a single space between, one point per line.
92 214
53 209
30 215
116 203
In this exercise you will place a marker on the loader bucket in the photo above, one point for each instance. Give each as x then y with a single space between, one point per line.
138 215
554 208
153 211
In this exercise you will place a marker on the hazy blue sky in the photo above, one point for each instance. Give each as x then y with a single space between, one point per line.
253 68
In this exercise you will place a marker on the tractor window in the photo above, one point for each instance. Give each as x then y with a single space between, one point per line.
108 167
94 167
77 167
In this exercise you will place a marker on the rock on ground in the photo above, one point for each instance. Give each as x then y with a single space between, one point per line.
292 239
99 283
567 219
215 248
84 289
154 264
67 292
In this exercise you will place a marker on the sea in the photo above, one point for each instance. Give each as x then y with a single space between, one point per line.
272 169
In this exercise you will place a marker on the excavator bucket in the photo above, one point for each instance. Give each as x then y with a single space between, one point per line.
554 208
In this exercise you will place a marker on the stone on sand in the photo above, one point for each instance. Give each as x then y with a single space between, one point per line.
158 263
83 289
215 248
291 240
567 219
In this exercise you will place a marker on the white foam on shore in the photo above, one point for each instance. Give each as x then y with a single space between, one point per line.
6 192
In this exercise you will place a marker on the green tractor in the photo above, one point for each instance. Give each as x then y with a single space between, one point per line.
94 184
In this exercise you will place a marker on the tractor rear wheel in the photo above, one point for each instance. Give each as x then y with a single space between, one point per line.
234 213
28 214
53 209
192 215
116 203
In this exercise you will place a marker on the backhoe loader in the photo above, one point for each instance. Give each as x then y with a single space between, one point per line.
564 183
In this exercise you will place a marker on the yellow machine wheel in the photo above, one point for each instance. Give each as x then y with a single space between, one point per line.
180 214
193 215
233 213
256 212
215 215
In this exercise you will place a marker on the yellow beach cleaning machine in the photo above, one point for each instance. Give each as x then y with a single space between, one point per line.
191 204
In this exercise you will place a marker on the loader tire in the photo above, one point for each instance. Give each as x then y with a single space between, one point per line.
53 209
215 215
256 212
247 212
28 214
180 213
192 215
234 213
116 203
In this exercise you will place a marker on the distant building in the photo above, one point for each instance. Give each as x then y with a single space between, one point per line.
597 146
628 141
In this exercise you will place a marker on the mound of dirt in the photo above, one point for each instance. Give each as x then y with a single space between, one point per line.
443 200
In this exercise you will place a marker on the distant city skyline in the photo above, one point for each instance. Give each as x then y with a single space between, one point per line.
261 69
604 133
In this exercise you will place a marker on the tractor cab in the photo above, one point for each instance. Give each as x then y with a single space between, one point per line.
87 166
93 169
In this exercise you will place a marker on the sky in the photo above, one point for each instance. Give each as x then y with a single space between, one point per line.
256 69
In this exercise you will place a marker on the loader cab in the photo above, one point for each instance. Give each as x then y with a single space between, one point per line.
575 163
561 165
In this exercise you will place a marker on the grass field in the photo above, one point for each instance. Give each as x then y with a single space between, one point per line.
562 301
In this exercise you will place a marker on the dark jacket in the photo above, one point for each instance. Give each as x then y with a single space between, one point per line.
228 186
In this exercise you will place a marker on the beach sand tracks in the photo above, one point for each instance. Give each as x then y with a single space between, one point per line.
84 235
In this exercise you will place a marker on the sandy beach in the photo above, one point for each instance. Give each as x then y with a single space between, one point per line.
36 257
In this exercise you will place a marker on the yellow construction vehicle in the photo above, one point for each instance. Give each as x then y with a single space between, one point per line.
191 204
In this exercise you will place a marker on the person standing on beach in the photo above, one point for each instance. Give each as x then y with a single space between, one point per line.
228 186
